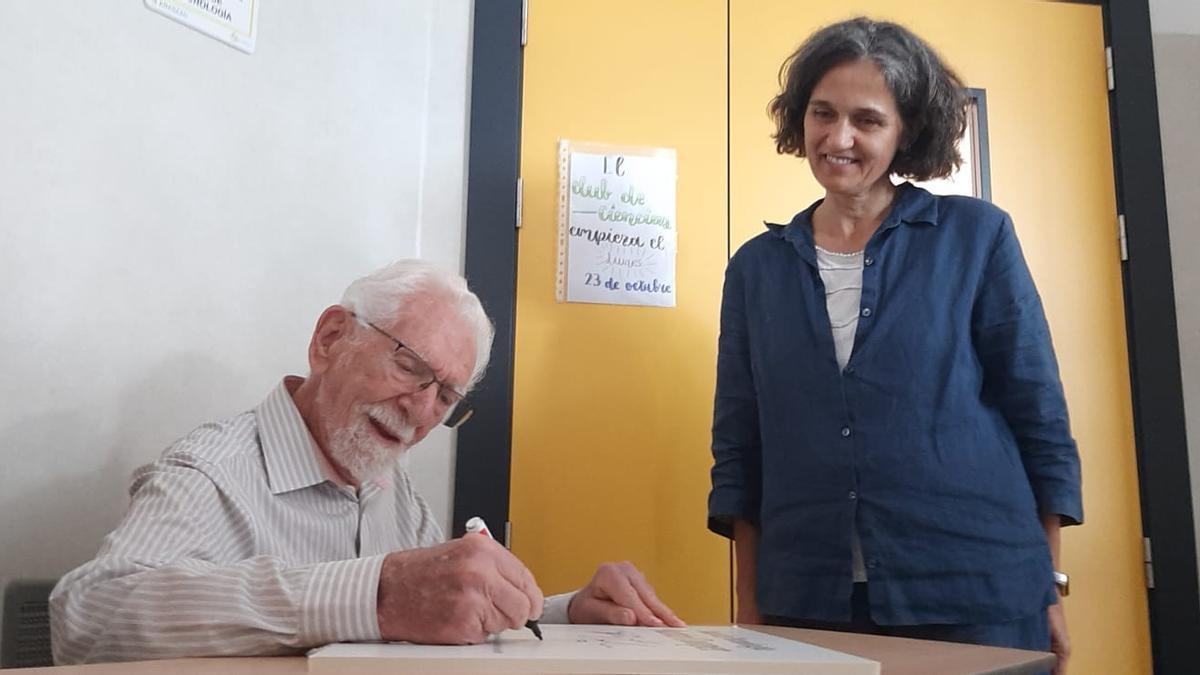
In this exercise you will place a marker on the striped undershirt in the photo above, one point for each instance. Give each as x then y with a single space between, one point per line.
237 543
842 275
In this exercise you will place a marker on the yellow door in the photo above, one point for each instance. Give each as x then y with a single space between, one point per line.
612 405
1042 65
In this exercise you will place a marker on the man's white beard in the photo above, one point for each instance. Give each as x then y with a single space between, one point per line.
359 450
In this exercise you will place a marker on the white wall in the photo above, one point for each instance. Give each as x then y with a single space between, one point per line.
1176 31
174 215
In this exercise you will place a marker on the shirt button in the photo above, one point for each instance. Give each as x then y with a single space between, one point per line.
849 369
872 563
868 261
866 311
853 495
845 432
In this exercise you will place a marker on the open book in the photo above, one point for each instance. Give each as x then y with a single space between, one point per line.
617 650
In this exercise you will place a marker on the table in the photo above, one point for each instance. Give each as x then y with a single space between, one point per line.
904 656
898 656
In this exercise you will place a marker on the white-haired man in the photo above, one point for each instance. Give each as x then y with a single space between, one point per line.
292 525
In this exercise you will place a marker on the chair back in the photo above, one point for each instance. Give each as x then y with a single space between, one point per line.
25 623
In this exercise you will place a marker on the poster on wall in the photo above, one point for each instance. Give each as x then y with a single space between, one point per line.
230 21
616 224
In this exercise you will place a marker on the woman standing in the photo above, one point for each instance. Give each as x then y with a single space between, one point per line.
891 444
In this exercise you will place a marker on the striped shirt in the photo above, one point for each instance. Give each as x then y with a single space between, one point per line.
237 543
842 276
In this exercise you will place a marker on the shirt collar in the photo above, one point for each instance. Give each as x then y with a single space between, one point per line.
912 205
292 458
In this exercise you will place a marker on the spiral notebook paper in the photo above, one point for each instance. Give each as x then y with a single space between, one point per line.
616 650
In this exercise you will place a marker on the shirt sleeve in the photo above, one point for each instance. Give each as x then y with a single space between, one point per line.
737 463
1012 340
554 609
176 579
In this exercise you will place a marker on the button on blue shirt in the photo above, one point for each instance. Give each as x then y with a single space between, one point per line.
949 421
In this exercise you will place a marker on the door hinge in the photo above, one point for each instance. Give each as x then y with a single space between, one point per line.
525 24
508 534
1108 66
1121 238
1148 558
520 199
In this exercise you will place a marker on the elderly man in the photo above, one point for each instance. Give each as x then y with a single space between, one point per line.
292 525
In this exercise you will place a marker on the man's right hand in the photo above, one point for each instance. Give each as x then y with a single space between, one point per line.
455 593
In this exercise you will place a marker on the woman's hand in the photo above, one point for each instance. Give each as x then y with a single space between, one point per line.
1060 642
747 610
745 546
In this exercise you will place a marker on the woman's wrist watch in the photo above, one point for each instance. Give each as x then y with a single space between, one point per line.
1063 582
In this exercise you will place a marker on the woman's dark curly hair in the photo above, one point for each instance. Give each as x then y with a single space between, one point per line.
929 96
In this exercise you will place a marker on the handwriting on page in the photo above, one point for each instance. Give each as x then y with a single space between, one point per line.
620 229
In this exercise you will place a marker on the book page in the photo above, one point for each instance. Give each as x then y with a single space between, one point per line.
598 649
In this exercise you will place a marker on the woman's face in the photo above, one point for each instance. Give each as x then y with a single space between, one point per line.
852 128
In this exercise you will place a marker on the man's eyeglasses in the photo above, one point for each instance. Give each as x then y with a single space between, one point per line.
415 371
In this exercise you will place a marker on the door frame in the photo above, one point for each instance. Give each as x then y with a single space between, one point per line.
1159 425
484 450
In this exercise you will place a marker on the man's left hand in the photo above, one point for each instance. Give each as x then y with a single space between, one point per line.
619 594
1060 642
